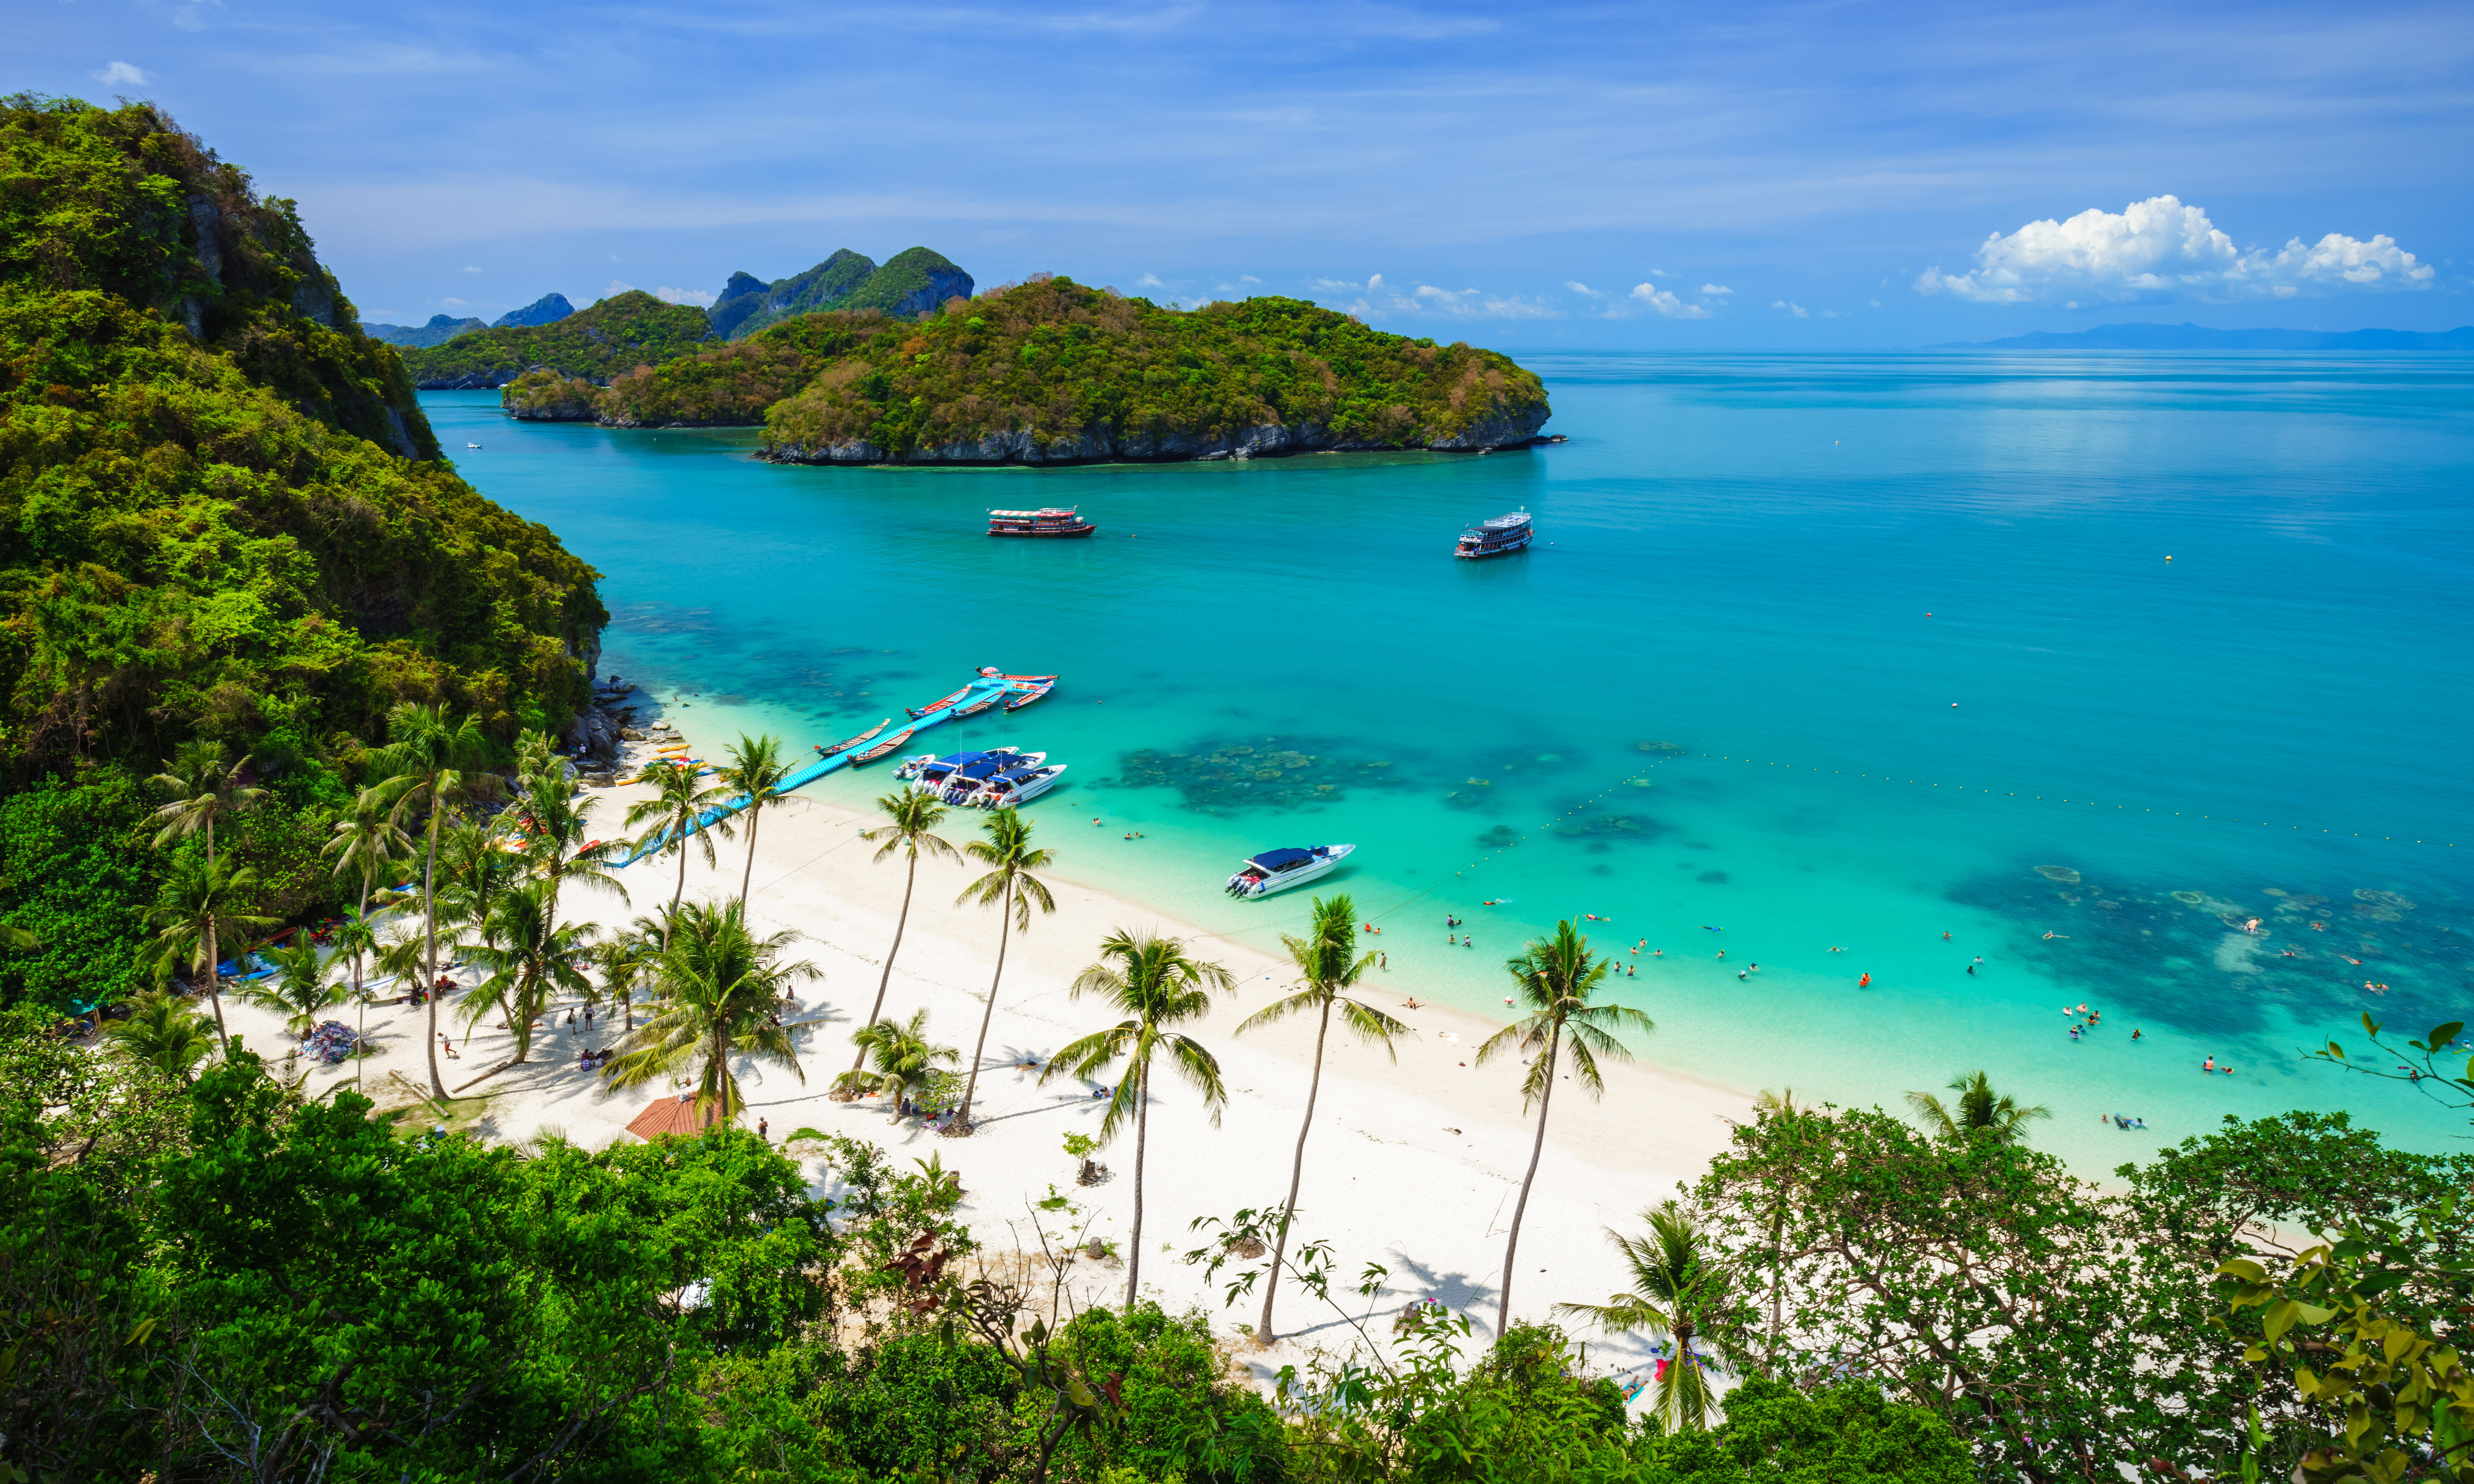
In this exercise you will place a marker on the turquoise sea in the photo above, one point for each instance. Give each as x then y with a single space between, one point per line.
1876 653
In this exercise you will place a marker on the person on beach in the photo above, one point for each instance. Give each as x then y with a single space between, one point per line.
1412 1001
1383 961
763 1131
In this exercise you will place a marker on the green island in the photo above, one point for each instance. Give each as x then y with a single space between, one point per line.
274 670
1052 372
598 342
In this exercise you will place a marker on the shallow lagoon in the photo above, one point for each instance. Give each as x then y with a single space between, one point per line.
1813 653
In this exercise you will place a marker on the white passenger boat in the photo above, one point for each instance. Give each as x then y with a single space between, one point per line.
1276 871
1017 785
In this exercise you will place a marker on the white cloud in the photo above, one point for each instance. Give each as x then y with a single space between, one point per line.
699 296
1374 283
2160 249
120 74
1797 310
455 304
1716 290
619 286
1333 285
1666 303
1583 289
1659 272
1149 281
1248 278
471 270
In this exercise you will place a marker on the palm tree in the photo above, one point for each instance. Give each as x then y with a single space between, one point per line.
1009 885
626 957
1157 985
1798 1122
909 816
163 1033
205 784
679 799
718 986
528 958
367 841
433 764
198 902
1556 976
473 872
1679 1291
906 1062
558 820
1981 1114
303 986
356 937
755 771
1330 965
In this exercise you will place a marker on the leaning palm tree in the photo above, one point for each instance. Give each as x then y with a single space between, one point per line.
198 903
1555 977
556 819
716 988
1329 966
755 772
906 1062
528 959
1681 1291
1013 890
165 1034
303 988
433 765
473 873
680 798
367 842
1157 985
909 816
1981 1114
626 959
205 784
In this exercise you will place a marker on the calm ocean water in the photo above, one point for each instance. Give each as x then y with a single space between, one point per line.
1879 654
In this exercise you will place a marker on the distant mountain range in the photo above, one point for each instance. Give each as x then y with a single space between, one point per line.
2198 337
913 280
549 309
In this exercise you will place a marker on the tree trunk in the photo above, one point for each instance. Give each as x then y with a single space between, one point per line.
899 924
429 912
1005 931
1297 1173
214 981
747 873
682 889
1512 1248
720 1077
360 1044
1142 1138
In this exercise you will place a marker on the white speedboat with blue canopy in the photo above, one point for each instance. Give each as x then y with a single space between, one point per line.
1276 871
929 773
1014 785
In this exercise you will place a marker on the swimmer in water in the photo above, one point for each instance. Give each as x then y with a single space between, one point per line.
2136 1033
2207 1065
1864 982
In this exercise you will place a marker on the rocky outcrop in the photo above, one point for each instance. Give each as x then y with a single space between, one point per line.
1503 428
943 283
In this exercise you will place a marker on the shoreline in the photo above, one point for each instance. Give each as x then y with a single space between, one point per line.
1428 1132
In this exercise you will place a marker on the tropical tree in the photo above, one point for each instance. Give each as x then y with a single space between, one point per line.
1329 966
909 816
163 1033
201 901
718 988
1681 1292
755 770
906 1060
530 958
1980 1113
473 873
367 841
303 986
432 764
1156 985
555 819
680 797
625 960
205 783
1556 977
1011 888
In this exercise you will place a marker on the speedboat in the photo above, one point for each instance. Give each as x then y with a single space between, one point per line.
1276 871
961 785
1015 787
929 769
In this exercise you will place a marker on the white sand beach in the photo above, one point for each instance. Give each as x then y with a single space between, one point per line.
1414 1164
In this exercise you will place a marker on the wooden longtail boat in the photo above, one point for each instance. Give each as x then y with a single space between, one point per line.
847 743
884 748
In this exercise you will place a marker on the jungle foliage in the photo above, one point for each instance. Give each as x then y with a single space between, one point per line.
593 343
222 515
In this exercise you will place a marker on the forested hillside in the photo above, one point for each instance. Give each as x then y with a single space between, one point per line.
618 333
223 517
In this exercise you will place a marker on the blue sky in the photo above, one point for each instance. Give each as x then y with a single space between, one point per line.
1610 175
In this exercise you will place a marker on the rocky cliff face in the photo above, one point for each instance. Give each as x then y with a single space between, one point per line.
1508 428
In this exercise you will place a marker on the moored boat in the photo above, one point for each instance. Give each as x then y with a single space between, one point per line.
884 748
1017 785
962 784
1276 871
1499 537
1027 688
847 743
1051 521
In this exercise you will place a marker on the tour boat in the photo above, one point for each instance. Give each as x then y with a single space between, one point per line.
1276 871
1500 537
847 743
929 768
1015 787
1051 521
961 785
